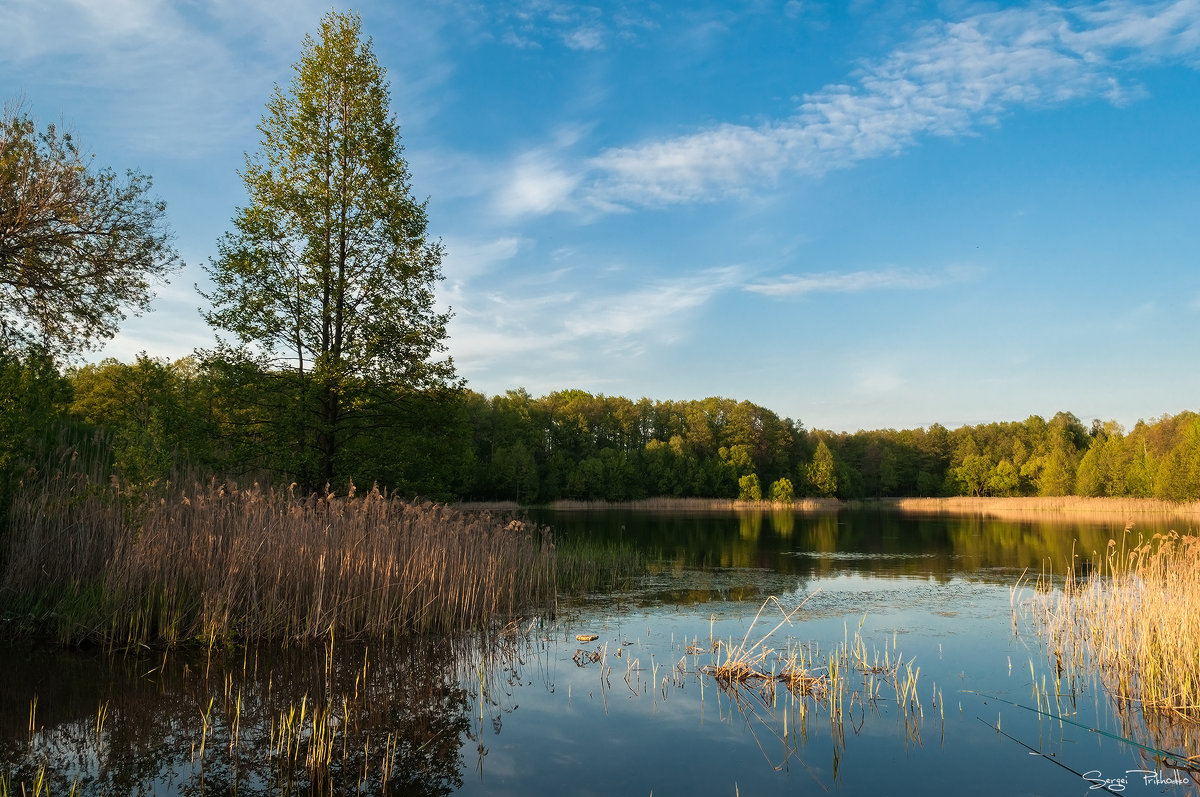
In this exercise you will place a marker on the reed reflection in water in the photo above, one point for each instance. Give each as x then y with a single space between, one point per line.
337 718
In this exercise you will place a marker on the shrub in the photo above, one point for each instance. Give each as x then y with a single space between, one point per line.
783 492
749 488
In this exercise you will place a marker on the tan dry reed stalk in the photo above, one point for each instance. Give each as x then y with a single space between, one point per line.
743 662
1135 619
797 668
749 676
670 504
218 562
1047 507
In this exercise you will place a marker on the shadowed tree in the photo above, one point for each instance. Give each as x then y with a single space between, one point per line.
327 277
80 248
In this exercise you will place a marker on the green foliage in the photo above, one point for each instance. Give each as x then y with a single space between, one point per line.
326 281
1178 475
79 248
157 413
822 472
33 396
737 458
782 491
972 474
514 472
749 488
1057 475
237 416
1004 479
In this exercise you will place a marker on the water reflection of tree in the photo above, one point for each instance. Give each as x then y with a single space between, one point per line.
393 717
879 543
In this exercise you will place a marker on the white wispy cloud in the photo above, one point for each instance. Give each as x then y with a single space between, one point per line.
573 325
654 309
468 258
185 72
185 78
539 180
536 24
588 37
858 281
949 79
536 185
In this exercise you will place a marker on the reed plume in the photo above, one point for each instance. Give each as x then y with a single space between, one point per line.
216 562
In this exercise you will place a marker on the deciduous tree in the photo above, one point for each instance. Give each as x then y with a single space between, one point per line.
79 247
328 273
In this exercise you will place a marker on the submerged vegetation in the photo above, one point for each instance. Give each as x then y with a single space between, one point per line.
803 671
341 717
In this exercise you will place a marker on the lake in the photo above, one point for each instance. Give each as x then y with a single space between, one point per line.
976 706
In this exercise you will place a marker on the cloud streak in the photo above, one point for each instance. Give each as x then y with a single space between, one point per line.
183 68
951 78
572 326
189 77
859 281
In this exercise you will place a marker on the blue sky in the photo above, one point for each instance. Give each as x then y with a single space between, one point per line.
859 214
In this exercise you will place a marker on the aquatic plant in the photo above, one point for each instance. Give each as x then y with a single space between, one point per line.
1132 614
219 563
586 565
335 718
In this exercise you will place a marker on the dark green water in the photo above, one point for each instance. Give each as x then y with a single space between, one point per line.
633 711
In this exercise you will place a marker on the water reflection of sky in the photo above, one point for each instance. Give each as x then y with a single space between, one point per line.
644 719
685 736
622 734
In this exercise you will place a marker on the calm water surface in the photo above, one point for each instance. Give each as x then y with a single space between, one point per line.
633 712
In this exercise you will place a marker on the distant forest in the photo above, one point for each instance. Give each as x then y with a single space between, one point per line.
152 417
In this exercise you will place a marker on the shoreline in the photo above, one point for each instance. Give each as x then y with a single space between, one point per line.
806 505
1003 508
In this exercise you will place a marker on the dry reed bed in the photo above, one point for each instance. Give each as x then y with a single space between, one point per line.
1043 508
1136 617
668 504
219 563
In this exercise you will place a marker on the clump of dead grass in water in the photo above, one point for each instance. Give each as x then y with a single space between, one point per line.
802 684
797 667
736 665
1135 618
219 563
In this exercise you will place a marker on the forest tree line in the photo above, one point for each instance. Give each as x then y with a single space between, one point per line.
457 444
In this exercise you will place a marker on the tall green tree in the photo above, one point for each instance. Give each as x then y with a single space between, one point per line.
822 471
79 247
328 274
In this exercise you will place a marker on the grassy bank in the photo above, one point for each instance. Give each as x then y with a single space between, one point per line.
218 563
